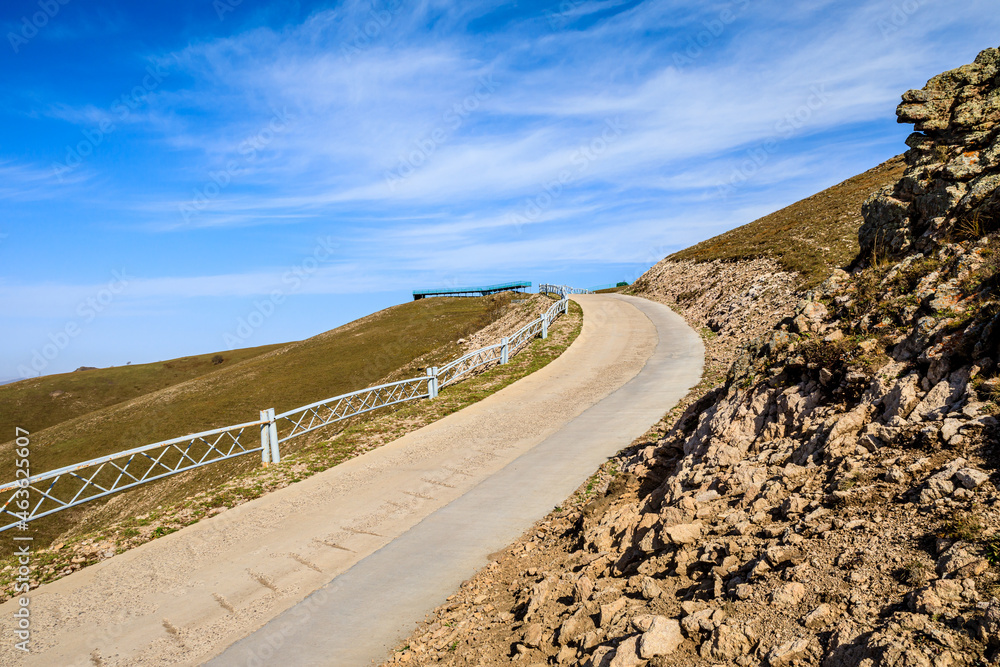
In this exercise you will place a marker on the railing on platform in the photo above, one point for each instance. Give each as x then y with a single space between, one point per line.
519 286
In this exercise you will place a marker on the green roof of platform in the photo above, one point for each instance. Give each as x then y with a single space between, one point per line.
462 290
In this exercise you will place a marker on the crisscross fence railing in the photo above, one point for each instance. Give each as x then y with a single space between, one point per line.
322 413
34 497
555 310
40 495
530 331
473 361
561 290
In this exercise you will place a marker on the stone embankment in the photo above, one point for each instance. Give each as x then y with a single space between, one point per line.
831 497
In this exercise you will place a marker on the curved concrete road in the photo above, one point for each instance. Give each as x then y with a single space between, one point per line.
335 569
360 615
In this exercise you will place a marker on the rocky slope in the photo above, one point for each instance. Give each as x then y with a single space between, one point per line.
832 502
730 303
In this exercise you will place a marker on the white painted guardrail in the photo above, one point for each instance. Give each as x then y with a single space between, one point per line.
30 498
561 290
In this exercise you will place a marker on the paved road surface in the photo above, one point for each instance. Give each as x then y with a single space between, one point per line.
363 613
335 569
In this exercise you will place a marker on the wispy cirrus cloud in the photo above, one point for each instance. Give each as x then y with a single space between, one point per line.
443 141
358 116
28 182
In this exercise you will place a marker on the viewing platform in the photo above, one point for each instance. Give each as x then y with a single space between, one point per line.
485 290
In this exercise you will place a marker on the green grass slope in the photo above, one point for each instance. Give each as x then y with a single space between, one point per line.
38 403
136 516
811 237
350 357
397 342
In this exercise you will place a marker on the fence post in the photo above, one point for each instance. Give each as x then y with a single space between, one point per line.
273 430
565 308
265 446
432 384
545 326
504 351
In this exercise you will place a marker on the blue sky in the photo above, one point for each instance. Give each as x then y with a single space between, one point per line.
185 177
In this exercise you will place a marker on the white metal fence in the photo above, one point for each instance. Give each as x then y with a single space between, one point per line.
561 290
36 496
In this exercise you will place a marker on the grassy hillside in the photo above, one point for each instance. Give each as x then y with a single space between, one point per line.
38 403
812 236
350 357
140 515
396 342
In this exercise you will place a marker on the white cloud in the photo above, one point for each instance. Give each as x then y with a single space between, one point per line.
359 108
32 182
356 118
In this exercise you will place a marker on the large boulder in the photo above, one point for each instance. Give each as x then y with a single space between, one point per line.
953 165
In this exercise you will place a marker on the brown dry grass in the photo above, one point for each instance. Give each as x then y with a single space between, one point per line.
38 403
396 342
138 516
811 237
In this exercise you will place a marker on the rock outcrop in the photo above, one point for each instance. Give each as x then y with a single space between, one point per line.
950 187
834 500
